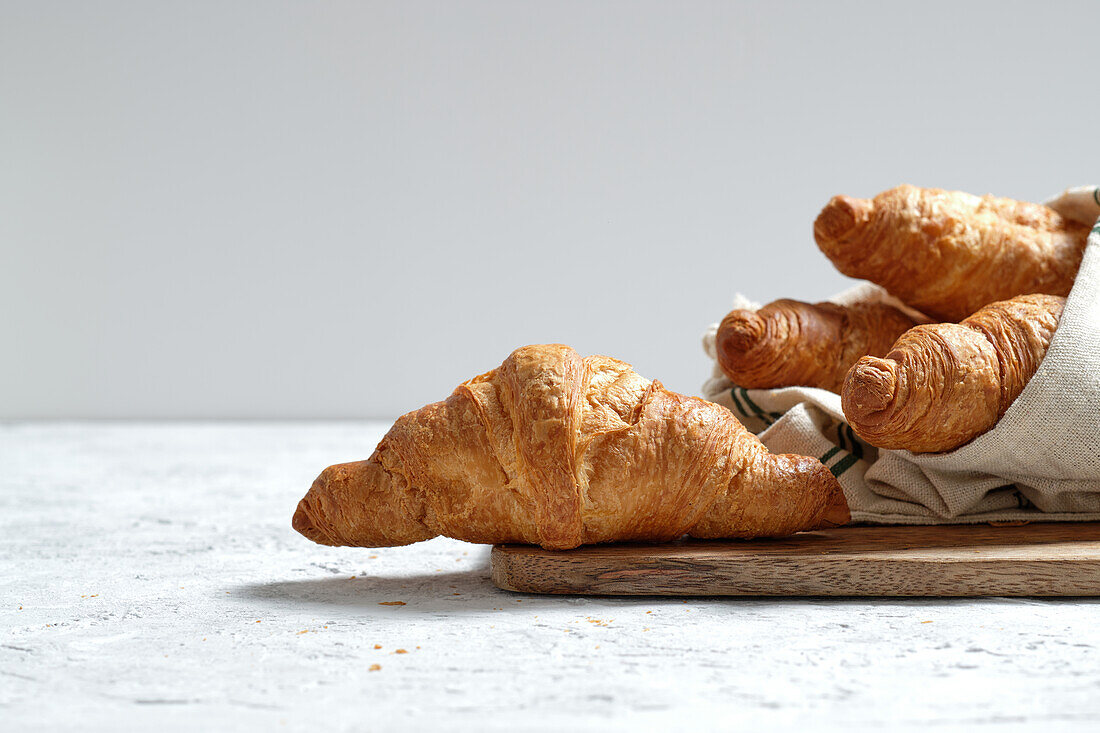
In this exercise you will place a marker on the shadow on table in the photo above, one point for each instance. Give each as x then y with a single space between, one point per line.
470 591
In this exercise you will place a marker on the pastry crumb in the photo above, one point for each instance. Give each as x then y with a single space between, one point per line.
377 646
391 603
400 651
374 667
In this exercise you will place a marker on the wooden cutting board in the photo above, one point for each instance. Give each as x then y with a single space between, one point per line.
958 560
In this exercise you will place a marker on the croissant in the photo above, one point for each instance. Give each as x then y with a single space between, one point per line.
558 450
791 343
948 253
944 384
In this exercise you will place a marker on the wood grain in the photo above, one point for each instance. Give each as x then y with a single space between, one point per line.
957 560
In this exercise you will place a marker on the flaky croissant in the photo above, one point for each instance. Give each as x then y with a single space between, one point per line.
791 343
558 450
944 384
948 253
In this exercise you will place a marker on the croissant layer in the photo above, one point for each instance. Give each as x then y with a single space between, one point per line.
943 384
948 253
791 343
558 450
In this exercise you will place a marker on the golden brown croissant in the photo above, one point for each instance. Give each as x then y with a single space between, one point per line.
791 343
558 450
948 253
944 384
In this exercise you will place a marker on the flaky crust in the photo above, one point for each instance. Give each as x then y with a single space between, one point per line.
948 253
558 450
790 343
944 384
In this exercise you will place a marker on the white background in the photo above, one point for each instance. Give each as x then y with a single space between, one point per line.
230 209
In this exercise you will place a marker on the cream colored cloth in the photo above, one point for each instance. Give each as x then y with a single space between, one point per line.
1040 462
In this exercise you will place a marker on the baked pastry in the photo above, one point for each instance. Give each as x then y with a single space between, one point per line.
944 384
948 253
558 450
791 343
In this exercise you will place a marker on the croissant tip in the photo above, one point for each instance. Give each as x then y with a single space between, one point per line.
869 388
304 524
842 217
836 512
739 332
300 522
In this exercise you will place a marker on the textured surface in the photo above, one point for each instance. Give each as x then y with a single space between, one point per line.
136 561
1042 559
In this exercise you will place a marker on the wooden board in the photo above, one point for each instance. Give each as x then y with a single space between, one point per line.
959 560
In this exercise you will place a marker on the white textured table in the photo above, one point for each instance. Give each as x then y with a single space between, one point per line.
149 577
